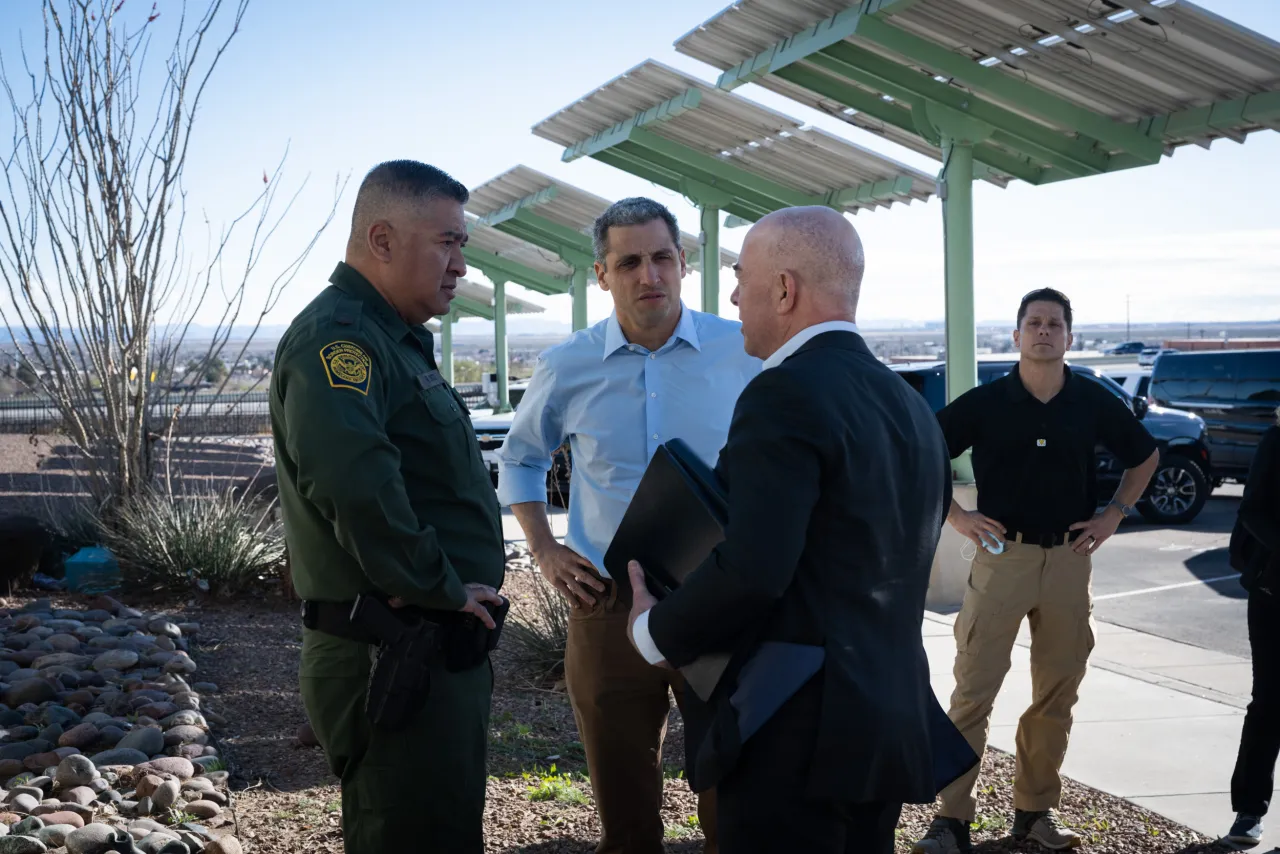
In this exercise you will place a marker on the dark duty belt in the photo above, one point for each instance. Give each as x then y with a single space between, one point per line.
463 639
334 618
1044 541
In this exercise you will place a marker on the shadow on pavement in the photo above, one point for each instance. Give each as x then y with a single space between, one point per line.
1215 563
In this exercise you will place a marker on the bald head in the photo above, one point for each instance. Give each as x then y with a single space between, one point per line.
820 248
798 267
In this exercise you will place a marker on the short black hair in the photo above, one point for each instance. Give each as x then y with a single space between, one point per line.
401 180
636 210
1045 295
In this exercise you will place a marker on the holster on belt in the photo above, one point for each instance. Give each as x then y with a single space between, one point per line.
409 641
400 680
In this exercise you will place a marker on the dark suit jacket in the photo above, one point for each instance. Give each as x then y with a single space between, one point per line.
838 481
1255 540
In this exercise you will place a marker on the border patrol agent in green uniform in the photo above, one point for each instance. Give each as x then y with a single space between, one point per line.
384 493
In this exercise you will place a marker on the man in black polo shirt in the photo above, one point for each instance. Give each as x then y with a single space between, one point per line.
1033 435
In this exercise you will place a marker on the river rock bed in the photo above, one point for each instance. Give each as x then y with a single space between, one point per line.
105 735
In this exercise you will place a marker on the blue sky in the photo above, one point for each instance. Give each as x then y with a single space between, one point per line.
459 85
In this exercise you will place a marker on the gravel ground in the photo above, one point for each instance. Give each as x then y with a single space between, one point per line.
287 801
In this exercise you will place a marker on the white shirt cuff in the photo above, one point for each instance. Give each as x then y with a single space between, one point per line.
644 641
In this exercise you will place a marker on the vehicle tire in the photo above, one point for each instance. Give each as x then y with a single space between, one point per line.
1177 493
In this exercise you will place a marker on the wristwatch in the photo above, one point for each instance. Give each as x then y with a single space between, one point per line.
1125 509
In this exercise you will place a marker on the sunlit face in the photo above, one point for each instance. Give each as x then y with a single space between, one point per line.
755 298
425 258
642 272
1043 335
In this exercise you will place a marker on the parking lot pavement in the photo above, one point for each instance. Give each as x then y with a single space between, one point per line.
1175 582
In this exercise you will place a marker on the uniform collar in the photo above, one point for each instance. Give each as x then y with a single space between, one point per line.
804 336
352 282
686 330
1018 392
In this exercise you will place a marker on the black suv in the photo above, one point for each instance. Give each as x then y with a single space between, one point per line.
1236 392
1180 485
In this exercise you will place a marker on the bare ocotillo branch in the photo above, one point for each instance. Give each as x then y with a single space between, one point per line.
96 285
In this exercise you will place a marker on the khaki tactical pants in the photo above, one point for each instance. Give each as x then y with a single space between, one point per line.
1050 587
621 703
421 789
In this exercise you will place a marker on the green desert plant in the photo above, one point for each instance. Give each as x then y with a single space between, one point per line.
537 631
211 540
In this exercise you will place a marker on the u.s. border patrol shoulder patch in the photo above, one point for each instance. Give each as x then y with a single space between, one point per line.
347 366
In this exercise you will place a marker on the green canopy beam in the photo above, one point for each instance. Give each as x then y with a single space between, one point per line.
774 58
1078 156
896 188
720 174
495 266
672 180
891 113
507 212
465 305
1263 109
572 246
668 109
1025 96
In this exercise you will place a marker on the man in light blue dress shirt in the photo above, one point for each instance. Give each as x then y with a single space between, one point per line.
655 370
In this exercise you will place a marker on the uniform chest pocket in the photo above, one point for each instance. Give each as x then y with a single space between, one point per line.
442 405
454 446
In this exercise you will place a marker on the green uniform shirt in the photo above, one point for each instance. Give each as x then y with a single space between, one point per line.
381 482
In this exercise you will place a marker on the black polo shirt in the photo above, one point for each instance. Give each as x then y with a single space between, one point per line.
1035 463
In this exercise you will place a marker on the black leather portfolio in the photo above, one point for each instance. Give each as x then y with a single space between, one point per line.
675 519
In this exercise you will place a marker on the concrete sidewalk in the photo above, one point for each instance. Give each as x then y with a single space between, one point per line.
1158 721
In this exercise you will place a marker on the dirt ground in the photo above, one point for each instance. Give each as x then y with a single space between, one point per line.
287 801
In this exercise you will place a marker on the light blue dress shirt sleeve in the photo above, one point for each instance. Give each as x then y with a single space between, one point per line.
536 432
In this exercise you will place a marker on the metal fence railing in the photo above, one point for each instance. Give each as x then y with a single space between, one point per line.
228 414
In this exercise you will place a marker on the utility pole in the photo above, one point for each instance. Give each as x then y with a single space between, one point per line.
1127 335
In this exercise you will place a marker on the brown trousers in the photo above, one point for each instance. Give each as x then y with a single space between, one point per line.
1050 587
621 704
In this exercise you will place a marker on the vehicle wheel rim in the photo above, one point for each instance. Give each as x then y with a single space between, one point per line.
1174 491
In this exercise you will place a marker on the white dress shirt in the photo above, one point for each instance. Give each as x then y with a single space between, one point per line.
640 631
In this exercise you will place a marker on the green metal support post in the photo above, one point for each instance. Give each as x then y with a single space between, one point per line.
957 212
579 290
446 347
500 344
710 259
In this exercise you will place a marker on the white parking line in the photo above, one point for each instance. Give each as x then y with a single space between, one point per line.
1166 587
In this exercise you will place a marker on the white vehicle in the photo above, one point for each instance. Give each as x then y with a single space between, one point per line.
1148 357
1135 381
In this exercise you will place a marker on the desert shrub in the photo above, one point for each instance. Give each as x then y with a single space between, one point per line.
207 539
536 632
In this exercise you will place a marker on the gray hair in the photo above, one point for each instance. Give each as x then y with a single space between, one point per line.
636 210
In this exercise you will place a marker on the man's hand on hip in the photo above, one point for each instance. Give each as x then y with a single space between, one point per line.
477 595
570 573
972 524
1097 530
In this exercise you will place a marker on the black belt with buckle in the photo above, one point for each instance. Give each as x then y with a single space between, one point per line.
1044 541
